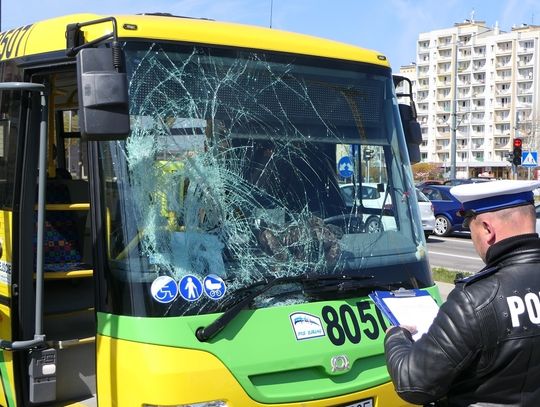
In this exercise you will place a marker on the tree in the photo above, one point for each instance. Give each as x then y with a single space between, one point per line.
425 171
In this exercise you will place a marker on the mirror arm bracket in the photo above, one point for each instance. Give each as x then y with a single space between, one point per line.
75 39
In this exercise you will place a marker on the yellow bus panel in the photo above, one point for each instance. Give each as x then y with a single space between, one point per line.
169 376
49 35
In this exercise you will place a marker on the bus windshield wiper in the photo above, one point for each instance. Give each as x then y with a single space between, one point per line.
204 334
341 289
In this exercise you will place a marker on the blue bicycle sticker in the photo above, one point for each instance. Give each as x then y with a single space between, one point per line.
164 289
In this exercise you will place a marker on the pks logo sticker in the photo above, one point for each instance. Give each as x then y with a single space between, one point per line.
306 326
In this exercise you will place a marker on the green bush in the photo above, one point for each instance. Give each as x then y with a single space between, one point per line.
447 276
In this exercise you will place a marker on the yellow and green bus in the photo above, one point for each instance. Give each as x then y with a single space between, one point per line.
174 226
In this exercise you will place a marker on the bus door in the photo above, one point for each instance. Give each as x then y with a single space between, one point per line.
46 279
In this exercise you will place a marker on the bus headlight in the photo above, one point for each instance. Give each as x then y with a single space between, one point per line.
213 403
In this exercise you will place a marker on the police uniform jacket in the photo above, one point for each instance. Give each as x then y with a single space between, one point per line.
483 348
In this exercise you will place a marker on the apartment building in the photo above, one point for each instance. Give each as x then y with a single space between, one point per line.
479 86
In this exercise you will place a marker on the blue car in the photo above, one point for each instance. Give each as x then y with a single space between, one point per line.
445 206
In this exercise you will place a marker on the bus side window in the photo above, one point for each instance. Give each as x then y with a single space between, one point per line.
70 152
70 173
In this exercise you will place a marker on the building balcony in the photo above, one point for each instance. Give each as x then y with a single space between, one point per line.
444 44
443 85
443 96
527 91
443 111
501 146
525 114
477 121
525 50
478 108
523 64
443 71
478 133
503 50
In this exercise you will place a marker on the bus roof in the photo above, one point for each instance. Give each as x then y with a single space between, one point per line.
50 35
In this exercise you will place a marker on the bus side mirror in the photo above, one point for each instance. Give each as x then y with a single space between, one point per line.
407 111
413 133
103 96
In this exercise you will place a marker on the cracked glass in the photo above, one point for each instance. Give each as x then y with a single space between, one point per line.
247 166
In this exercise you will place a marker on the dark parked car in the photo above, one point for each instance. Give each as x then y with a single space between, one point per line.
428 182
458 181
445 206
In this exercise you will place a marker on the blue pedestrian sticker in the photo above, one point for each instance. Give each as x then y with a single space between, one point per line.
345 167
164 289
214 287
190 288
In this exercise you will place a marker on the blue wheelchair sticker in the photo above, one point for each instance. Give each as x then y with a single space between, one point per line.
164 289
190 287
345 167
214 287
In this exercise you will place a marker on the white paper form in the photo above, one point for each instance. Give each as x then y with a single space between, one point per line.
417 311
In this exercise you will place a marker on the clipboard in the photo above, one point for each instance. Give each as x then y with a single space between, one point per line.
414 307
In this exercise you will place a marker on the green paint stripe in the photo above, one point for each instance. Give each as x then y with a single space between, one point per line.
5 382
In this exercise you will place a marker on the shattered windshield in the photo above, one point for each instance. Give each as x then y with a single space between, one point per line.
244 166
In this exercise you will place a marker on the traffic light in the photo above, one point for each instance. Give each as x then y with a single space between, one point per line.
516 160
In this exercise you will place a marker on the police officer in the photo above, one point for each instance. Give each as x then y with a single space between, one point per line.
483 348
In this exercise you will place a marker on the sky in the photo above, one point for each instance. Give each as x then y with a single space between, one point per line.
388 26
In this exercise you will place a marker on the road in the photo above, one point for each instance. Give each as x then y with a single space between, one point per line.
454 253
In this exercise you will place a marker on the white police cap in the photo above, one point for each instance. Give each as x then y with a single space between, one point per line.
494 195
